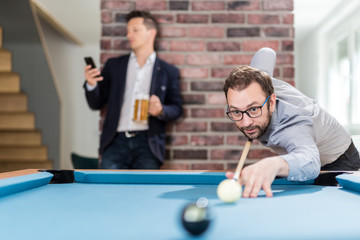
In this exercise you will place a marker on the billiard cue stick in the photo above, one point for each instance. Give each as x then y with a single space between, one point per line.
242 160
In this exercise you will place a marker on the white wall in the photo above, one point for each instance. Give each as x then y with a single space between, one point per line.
310 75
79 125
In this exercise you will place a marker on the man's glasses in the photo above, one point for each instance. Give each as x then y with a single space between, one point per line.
252 112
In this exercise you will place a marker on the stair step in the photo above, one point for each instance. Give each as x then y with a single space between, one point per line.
17 121
13 102
7 166
20 138
23 154
5 60
9 82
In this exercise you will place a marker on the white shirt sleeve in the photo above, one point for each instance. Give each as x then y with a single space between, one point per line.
89 87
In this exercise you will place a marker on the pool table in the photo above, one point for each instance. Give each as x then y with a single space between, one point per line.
104 204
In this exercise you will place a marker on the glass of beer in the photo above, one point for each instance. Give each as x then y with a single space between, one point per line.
141 107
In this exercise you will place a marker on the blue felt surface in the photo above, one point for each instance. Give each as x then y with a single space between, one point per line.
23 183
349 181
149 177
152 211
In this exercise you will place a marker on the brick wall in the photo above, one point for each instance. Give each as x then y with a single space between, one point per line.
205 40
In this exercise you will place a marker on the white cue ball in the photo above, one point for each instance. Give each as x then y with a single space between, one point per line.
229 190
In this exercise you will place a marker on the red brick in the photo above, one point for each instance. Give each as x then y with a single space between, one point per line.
260 153
173 32
274 5
190 154
206 86
239 139
231 166
284 59
288 19
177 140
207 140
237 59
244 5
184 86
207 5
186 112
176 59
161 45
209 32
220 72
231 154
253 46
105 44
193 99
170 165
207 166
106 17
276 73
288 72
203 59
105 56
194 72
277 32
114 31
121 44
216 98
164 18
179 5
208 113
228 126
150 5
187 46
227 18
200 50
263 19
287 45
115 5
120 18
223 46
243 32
192 18
191 127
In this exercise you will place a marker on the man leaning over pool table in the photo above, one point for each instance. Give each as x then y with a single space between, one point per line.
306 138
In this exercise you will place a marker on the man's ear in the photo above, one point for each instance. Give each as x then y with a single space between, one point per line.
272 101
153 32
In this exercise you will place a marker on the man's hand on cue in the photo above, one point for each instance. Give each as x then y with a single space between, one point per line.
260 175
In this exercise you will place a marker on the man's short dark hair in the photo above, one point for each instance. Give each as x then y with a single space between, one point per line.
242 76
149 20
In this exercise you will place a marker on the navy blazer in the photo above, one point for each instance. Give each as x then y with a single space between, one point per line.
110 93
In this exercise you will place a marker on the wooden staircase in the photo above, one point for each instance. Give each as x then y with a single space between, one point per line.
20 143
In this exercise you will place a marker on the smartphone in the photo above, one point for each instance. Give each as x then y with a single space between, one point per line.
90 61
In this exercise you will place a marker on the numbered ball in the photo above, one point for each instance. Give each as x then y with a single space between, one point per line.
196 217
229 190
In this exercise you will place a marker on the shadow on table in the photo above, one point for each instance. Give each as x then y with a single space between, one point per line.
193 193
283 191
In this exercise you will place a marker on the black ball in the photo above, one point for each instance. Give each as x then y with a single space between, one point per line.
196 217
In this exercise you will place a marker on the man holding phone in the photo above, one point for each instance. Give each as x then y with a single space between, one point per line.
141 94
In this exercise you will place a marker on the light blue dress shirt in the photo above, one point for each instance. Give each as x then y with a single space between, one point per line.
303 133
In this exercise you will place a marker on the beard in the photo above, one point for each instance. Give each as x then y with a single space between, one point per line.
257 130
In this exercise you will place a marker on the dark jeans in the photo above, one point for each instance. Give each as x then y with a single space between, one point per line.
349 161
129 153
